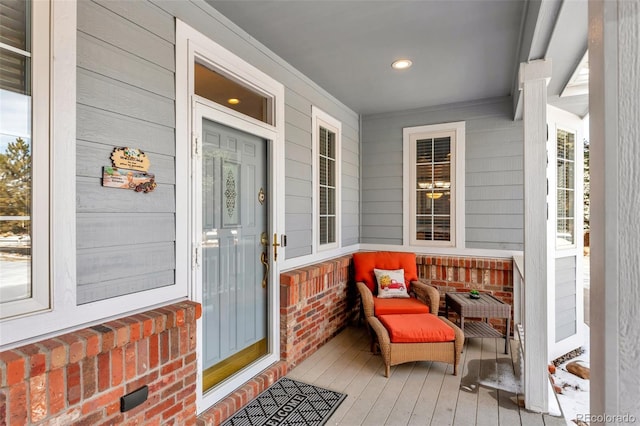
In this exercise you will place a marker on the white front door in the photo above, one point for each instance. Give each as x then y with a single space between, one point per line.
233 262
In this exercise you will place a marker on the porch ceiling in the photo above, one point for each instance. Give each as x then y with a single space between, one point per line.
462 50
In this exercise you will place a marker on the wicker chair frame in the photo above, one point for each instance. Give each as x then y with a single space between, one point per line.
399 353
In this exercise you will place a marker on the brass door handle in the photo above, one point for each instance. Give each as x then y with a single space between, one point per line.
275 244
265 261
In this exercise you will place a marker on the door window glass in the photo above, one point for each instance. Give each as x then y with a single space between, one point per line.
227 92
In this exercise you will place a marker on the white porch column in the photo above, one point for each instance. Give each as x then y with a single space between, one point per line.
534 77
614 105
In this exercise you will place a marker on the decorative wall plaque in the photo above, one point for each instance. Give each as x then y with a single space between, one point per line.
130 158
113 177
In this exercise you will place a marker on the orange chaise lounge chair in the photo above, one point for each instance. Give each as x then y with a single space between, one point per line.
402 311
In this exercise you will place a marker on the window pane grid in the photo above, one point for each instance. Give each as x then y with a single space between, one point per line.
433 189
327 181
565 188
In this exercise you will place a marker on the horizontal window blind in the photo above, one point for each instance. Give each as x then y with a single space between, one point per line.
15 46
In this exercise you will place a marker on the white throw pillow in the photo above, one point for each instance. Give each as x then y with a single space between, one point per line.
391 283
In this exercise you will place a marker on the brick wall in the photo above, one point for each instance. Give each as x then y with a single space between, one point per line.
450 273
79 377
316 302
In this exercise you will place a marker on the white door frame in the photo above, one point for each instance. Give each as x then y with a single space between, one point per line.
190 110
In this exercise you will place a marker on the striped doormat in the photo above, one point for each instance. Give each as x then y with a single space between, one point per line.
288 403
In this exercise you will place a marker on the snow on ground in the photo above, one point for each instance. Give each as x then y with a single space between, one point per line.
574 399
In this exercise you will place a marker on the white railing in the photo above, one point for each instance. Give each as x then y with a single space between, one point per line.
518 310
518 290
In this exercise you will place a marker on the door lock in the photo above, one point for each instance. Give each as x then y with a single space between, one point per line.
275 245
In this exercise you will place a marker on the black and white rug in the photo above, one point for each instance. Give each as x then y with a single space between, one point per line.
288 403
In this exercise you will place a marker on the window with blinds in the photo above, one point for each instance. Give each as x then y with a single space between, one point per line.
24 146
565 188
327 185
326 140
15 47
433 189
434 167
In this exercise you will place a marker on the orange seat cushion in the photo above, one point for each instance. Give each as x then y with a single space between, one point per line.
417 328
398 306
364 263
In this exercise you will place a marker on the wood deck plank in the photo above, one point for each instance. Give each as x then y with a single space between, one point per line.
366 398
343 364
468 398
408 397
380 413
447 399
508 410
425 406
373 367
487 412
324 357
418 393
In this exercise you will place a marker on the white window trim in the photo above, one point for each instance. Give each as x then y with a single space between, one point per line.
65 315
457 184
553 182
319 117
40 147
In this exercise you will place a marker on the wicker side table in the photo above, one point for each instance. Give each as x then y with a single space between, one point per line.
485 307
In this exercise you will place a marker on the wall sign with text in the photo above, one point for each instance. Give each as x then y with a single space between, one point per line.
129 171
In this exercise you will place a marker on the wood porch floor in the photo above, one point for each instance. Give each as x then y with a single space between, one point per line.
419 393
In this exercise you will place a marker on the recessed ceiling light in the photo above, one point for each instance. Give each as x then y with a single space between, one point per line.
401 64
233 101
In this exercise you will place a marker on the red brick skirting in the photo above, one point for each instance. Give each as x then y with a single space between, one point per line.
241 396
316 302
79 377
449 273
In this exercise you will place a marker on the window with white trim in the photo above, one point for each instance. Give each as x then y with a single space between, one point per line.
326 156
435 184
565 188
24 157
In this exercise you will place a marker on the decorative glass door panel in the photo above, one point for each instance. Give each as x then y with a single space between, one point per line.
234 227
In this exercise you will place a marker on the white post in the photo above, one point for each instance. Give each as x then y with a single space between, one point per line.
614 104
534 77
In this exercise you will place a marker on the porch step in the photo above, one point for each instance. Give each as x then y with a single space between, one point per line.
242 396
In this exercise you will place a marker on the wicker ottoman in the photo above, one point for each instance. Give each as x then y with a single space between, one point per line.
416 337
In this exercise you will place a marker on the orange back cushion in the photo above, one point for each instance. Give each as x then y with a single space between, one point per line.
398 306
364 263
